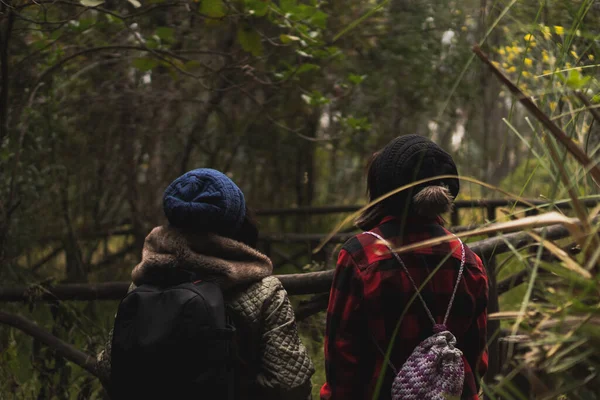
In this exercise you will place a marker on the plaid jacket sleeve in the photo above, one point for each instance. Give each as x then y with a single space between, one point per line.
476 354
345 332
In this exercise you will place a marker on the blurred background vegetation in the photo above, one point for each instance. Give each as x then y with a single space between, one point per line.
103 103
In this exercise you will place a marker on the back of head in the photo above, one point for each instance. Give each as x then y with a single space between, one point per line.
205 200
404 160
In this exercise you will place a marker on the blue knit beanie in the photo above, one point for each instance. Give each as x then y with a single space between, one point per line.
205 200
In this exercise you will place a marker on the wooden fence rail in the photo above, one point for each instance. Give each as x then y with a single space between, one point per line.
295 284
311 240
459 204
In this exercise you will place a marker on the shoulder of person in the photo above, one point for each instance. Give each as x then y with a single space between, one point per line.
250 300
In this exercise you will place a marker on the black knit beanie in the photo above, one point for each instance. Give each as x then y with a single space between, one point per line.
408 159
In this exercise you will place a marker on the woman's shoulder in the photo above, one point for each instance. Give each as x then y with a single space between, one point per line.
250 299
263 288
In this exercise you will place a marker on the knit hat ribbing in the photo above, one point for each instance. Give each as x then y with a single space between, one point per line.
205 200
408 159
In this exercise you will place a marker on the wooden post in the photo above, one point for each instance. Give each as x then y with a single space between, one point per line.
454 217
267 248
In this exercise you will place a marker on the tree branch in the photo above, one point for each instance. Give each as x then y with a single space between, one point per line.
481 203
312 306
61 347
46 259
83 52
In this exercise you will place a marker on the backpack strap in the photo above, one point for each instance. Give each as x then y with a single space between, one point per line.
460 273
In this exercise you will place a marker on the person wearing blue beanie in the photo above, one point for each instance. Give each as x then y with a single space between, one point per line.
211 236
205 200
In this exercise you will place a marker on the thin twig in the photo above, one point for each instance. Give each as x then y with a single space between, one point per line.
589 107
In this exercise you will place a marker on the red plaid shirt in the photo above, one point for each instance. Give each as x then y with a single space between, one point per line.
368 295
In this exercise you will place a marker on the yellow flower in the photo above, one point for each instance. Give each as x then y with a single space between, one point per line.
504 65
552 105
501 52
546 72
574 54
546 32
463 28
578 32
591 57
545 57
526 74
528 62
559 30
568 65
529 37
496 64
512 69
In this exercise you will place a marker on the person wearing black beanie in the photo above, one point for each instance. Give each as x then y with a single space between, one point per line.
407 159
370 306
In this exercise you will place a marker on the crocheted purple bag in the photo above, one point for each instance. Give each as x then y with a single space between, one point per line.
435 369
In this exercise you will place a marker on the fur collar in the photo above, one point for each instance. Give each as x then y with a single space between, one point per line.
216 258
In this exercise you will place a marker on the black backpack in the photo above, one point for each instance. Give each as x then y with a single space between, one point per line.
172 342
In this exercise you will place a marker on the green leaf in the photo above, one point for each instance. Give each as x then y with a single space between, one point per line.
307 68
287 6
303 11
145 64
249 40
165 34
315 99
135 3
213 8
596 99
356 79
257 7
288 38
319 19
192 65
303 54
56 34
91 3
575 80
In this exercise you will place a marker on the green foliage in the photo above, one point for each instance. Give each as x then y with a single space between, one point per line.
250 40
107 103
213 8
144 64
